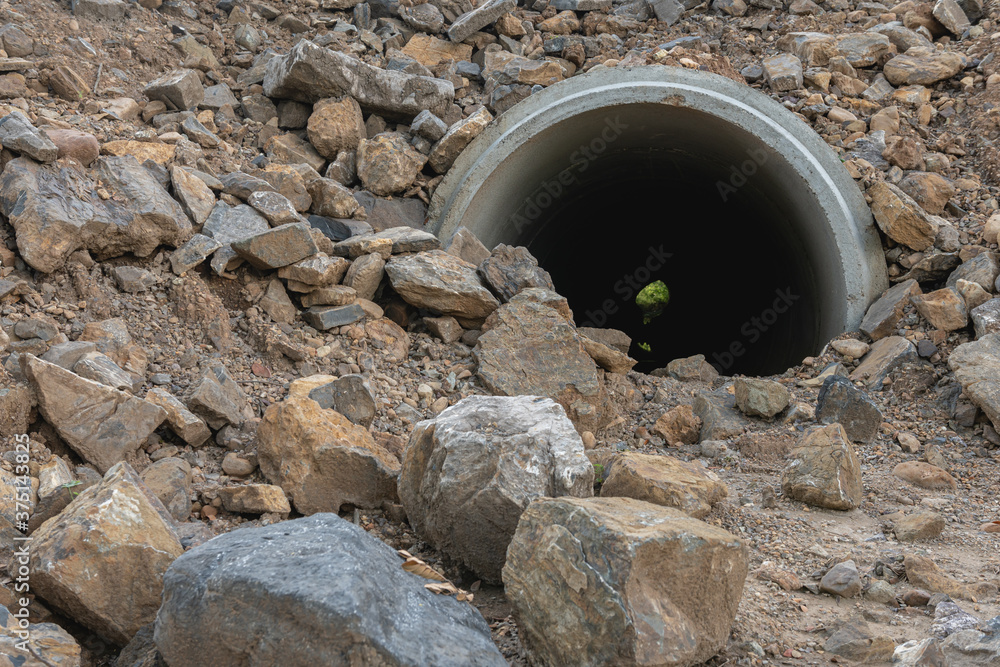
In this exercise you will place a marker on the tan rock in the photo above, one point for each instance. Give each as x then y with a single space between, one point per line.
387 164
450 146
943 309
608 358
336 124
901 218
321 460
140 150
103 425
664 480
678 426
191 428
429 50
603 581
255 499
758 397
922 572
101 561
924 475
919 526
81 146
823 470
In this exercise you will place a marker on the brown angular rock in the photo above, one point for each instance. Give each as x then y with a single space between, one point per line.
320 459
664 480
601 581
529 349
101 561
169 480
277 247
388 164
943 309
336 125
191 428
882 316
444 153
823 470
255 499
924 475
922 572
509 269
82 147
678 426
919 526
923 65
758 397
103 425
441 282
901 218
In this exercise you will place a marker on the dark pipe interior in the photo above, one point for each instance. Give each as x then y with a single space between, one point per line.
743 290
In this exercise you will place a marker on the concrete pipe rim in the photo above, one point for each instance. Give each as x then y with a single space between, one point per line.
832 212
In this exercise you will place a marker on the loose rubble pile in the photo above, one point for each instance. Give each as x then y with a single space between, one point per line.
261 404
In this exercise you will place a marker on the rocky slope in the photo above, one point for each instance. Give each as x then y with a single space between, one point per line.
222 326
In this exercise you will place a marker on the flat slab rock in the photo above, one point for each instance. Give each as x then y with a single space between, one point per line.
313 591
56 210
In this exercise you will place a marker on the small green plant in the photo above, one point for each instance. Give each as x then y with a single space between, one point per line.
70 485
652 300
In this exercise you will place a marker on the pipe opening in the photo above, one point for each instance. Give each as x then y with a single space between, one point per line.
762 239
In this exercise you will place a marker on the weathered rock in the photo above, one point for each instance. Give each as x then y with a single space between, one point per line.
982 269
694 368
924 573
757 397
45 205
479 18
331 199
196 197
319 269
133 279
885 356
842 580
277 247
919 526
349 395
951 16
986 315
509 269
254 499
678 426
580 575
882 316
464 487
529 349
408 239
977 368
442 282
191 428
229 224
924 66
854 641
931 191
783 72
103 425
101 562
290 149
426 124
198 248
450 146
823 470
274 206
100 368
465 245
446 328
216 398
863 49
18 134
924 475
320 459
80 146
325 318
26 644
169 480
365 275
841 402
388 164
814 49
310 73
242 185
180 89
242 593
607 357
336 125
664 480
943 309
901 218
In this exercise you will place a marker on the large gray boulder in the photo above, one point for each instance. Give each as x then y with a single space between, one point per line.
977 368
57 209
310 73
618 581
469 473
313 591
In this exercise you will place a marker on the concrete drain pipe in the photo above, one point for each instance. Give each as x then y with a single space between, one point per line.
622 177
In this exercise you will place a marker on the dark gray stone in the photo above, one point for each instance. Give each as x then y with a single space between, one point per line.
313 591
326 317
840 401
509 269
193 253
349 395
19 135
337 229
229 224
217 398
